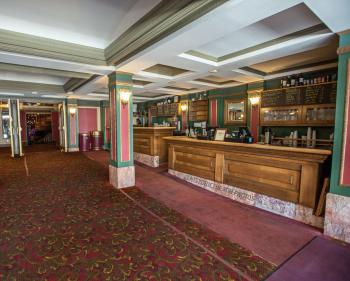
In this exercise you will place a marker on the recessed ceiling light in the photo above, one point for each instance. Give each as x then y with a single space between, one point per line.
214 71
34 93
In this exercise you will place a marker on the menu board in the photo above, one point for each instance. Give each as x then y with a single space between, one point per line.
312 94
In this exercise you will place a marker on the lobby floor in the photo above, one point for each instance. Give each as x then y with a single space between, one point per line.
60 219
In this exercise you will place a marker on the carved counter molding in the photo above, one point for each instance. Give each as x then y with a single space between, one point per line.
286 173
149 147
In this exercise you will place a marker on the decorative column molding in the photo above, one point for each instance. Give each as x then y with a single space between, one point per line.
121 168
213 112
105 124
15 128
337 219
73 126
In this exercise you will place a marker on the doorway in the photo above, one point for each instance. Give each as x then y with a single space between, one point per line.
39 128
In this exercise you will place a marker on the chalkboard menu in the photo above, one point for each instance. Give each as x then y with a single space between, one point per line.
311 94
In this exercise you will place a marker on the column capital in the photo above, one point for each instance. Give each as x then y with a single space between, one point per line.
119 78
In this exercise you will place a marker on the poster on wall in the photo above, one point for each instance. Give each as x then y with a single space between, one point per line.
345 174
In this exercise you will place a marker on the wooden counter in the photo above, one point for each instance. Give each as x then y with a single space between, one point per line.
287 173
148 141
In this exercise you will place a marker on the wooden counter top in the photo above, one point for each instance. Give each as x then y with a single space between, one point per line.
287 173
154 128
253 146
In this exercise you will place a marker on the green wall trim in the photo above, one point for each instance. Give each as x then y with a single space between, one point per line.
335 187
89 103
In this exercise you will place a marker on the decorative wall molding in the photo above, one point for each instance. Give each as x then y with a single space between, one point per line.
166 18
16 42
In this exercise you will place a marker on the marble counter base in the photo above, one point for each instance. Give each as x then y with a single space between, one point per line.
73 149
152 161
337 221
122 177
283 208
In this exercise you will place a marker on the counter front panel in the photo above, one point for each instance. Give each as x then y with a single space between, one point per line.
288 174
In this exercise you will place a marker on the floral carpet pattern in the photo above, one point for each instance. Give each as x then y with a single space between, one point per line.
65 222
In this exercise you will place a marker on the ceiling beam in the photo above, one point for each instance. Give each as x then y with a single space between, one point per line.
17 42
74 84
44 71
166 18
26 87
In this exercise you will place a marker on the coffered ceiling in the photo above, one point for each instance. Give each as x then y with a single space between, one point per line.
66 48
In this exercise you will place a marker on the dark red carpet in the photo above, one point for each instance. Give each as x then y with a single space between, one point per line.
65 222
322 259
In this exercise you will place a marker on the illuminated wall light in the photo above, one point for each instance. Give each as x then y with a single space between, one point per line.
254 100
124 95
184 107
72 110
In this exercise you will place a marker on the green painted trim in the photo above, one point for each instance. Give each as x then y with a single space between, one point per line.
166 18
89 103
335 186
118 81
6 85
17 42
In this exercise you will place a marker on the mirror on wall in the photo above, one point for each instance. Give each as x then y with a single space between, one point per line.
235 111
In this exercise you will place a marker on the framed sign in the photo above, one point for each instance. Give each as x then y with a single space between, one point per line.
345 165
220 134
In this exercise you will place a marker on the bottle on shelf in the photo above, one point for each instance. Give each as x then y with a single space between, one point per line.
288 81
301 80
292 81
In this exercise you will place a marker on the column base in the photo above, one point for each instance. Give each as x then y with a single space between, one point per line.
337 221
151 161
122 177
73 149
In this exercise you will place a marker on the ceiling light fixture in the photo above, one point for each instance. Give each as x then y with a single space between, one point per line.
34 93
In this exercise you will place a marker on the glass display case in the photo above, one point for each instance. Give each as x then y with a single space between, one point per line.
281 115
319 114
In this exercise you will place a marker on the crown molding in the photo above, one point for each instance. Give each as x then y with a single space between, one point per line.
17 42
13 86
75 83
166 18
44 71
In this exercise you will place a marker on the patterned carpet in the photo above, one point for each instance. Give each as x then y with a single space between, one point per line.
65 222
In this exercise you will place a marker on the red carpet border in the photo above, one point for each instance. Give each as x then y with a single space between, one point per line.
65 222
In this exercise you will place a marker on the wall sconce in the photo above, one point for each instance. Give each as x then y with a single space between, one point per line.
72 111
254 100
124 96
184 107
